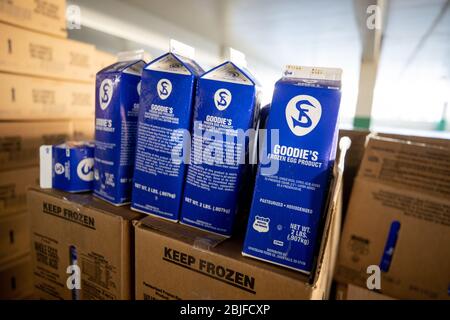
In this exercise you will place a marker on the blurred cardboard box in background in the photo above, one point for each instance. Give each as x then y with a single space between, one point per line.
13 189
32 98
16 280
20 141
47 16
14 236
83 129
399 219
103 59
31 53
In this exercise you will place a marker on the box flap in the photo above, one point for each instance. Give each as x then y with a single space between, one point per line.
410 165
87 200
329 78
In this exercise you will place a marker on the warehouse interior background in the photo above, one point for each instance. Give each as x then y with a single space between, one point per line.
396 76
88 155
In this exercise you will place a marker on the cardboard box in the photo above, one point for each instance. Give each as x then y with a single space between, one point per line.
16 281
352 292
83 129
31 98
47 16
175 261
13 189
356 153
103 59
14 236
31 53
398 220
100 235
20 141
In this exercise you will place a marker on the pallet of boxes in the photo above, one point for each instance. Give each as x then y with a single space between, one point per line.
47 97
397 228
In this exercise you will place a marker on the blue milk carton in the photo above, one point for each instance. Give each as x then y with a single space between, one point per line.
116 113
167 94
68 166
226 108
292 185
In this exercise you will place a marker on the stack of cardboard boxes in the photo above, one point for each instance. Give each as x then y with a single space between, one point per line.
47 96
396 231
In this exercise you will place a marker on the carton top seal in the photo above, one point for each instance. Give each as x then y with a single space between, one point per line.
181 49
173 63
130 67
75 145
230 72
312 76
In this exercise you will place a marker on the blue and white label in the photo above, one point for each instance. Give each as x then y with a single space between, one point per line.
222 99
85 169
303 113
73 164
165 110
217 179
164 88
289 203
105 93
261 224
116 111
59 168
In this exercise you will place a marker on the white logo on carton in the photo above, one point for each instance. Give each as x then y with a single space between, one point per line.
222 99
59 168
105 93
164 88
303 113
138 88
85 169
261 224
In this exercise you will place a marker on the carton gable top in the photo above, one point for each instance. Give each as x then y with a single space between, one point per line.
129 67
173 63
230 72
315 77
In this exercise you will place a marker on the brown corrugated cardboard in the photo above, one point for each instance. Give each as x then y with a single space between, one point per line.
406 183
48 16
16 281
31 53
20 141
13 189
352 292
32 98
99 233
84 129
175 261
14 236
